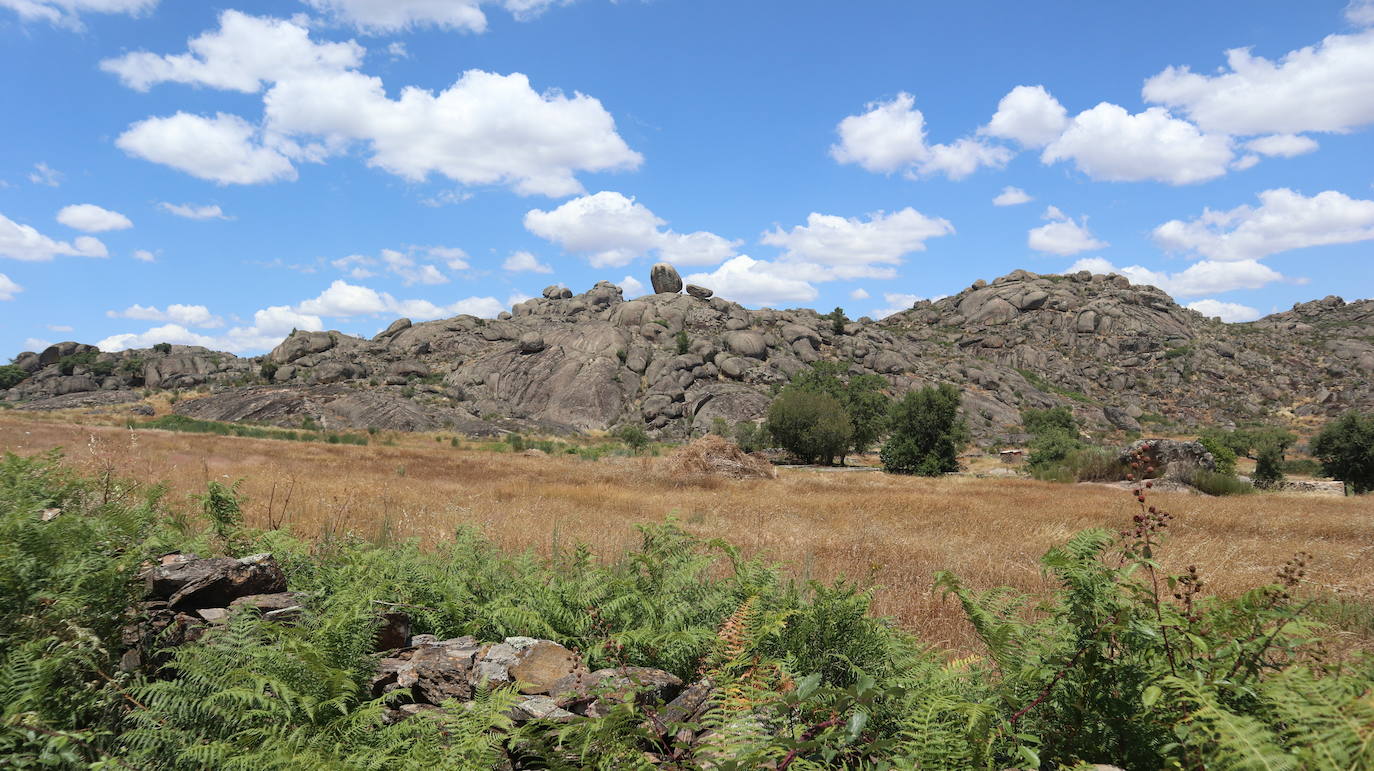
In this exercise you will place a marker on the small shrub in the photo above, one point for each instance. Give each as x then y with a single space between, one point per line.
268 370
633 436
167 347
683 343
1222 453
1215 482
749 436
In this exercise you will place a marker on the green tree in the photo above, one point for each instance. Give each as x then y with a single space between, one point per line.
1268 465
927 433
809 424
861 396
167 347
1345 448
11 376
837 321
1054 437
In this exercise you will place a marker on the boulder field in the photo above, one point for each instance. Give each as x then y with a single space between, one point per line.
1115 352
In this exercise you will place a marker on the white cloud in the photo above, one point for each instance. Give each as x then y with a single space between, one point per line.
756 282
397 50
859 294
1360 12
188 315
1029 115
194 212
1012 196
224 149
67 13
35 344
525 262
245 53
614 230
410 271
92 218
1282 145
8 289
831 247
1228 312
631 286
484 129
483 307
355 265
1326 87
891 136
1200 278
43 174
343 299
389 16
455 258
1283 221
1108 143
23 242
143 255
1062 235
167 333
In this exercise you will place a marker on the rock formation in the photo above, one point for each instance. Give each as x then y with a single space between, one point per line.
1120 355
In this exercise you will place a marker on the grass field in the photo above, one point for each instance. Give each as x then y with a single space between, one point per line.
894 532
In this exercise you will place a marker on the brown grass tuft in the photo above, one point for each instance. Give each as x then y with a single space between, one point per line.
713 457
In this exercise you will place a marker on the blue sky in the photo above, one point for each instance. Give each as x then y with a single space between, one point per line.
219 174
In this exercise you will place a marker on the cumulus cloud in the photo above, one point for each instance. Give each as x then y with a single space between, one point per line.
143 255
379 17
343 299
1012 196
891 136
410 271
1228 312
404 264
1283 221
67 13
484 129
631 286
859 294
43 174
8 289
756 282
613 230
830 247
225 149
525 262
1282 145
194 212
23 242
1062 235
92 218
1029 115
1200 278
186 315
1326 87
1109 143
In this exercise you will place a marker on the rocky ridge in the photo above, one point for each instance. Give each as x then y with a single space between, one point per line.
1115 352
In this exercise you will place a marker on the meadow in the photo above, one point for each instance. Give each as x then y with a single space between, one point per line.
878 530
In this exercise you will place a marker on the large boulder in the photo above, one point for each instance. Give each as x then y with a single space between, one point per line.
185 582
1168 457
665 279
749 344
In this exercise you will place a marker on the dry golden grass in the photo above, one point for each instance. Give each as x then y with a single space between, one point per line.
893 531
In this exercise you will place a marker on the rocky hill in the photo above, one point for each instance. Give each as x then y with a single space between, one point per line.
1119 354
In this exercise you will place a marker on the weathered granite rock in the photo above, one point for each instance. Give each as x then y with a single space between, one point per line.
665 279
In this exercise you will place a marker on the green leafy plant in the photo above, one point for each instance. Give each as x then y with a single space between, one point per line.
1345 447
11 376
927 433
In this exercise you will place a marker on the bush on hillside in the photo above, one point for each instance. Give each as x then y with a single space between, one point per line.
862 397
1268 466
1345 448
11 376
1222 452
926 433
